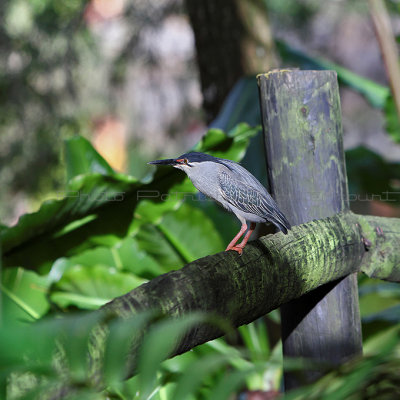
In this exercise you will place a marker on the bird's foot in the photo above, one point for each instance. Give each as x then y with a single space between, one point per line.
236 248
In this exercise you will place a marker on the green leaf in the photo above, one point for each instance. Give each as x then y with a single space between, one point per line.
375 373
91 287
154 204
74 222
103 209
392 122
241 105
24 295
152 242
117 363
82 158
229 383
158 343
383 341
124 256
74 342
224 222
375 93
180 237
370 174
379 300
34 345
195 374
191 233
216 141
137 261
255 337
48 356
236 358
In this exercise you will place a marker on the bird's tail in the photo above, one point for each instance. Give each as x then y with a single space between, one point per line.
280 221
274 215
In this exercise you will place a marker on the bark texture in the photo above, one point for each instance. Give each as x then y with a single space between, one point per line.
273 270
233 39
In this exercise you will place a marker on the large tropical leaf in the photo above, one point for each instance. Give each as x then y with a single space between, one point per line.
181 236
375 93
101 209
76 355
23 295
95 276
369 175
81 159
91 287
374 376
242 103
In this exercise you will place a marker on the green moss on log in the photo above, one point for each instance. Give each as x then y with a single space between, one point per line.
272 271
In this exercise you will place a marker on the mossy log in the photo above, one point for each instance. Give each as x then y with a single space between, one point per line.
272 270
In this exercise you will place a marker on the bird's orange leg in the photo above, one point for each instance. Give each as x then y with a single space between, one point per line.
239 247
237 237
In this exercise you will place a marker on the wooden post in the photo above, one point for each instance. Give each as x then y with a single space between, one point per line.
307 174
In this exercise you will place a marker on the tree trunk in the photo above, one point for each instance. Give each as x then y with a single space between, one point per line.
305 159
233 39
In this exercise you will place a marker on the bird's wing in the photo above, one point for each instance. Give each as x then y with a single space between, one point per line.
243 175
248 195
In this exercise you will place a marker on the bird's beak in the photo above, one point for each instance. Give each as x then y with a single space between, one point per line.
169 161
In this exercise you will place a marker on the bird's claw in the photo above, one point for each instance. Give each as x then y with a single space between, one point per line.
237 249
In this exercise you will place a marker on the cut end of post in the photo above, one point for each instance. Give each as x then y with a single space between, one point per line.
275 71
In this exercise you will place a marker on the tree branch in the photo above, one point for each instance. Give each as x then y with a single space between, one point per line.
272 271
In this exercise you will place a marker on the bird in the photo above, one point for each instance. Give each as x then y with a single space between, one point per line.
234 188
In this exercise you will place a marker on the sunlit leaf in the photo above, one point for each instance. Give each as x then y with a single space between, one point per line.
24 295
82 158
379 301
392 122
191 233
195 373
154 350
121 338
103 209
91 287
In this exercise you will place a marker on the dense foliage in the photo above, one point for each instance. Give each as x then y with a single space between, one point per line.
105 233
68 267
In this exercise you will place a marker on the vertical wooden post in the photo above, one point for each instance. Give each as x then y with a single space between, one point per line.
307 174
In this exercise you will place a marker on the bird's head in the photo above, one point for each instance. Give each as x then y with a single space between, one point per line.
186 161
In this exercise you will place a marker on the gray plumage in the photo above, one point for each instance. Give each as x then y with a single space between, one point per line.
232 186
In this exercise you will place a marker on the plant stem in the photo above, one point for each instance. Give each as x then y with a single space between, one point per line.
381 20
